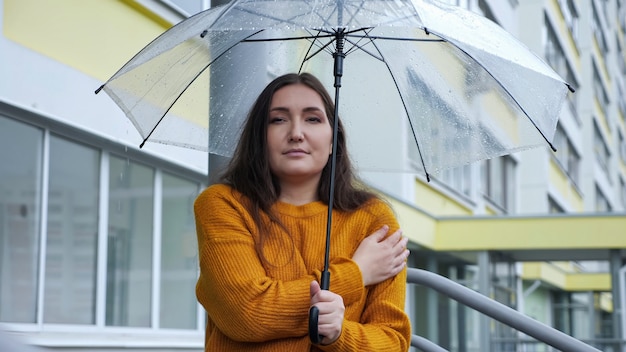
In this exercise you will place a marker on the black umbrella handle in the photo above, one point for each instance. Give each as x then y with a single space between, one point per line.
314 312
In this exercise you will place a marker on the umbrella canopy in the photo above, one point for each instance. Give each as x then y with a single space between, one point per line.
427 86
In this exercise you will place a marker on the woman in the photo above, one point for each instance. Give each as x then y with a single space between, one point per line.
261 237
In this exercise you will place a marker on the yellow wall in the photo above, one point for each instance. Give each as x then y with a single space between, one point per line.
436 202
566 280
549 232
94 37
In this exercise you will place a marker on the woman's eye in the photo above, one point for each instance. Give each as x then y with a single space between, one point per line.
276 119
314 119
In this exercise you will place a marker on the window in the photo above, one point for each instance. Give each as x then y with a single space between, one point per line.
72 235
460 3
600 148
189 7
599 92
568 9
554 207
621 57
571 313
459 179
622 146
622 191
486 10
146 225
21 147
602 202
621 102
598 31
566 154
499 182
179 258
555 57
129 248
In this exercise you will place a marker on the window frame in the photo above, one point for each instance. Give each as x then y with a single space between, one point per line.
99 334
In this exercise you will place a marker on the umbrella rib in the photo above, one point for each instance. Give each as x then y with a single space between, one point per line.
404 39
282 39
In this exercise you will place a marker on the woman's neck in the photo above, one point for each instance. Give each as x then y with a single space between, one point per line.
299 193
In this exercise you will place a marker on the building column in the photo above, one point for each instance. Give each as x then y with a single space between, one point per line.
433 303
484 288
615 264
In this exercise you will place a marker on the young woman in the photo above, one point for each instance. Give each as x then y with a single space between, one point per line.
261 236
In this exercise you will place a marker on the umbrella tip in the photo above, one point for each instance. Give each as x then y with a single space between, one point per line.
552 147
427 177
571 89
99 89
426 31
142 143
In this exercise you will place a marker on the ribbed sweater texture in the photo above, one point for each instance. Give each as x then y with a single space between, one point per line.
254 305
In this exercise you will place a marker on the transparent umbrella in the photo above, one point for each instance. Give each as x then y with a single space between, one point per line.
426 86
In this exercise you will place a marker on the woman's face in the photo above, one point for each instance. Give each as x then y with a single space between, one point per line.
299 134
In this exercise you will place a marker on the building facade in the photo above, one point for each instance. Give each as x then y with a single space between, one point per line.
97 239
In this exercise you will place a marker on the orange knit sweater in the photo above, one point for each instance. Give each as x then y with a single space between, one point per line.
254 306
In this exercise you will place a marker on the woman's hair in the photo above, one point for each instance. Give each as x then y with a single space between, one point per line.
249 170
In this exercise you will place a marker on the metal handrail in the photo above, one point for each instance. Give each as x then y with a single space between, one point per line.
495 310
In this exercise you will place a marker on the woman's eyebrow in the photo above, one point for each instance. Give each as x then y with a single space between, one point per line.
307 109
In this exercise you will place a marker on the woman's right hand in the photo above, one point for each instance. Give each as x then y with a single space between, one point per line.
381 258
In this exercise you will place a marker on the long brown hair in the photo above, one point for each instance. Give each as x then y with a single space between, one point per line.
249 172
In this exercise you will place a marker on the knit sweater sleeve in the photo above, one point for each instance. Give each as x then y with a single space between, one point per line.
383 324
240 298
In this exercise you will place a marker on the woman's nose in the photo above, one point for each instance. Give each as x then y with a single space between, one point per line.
295 134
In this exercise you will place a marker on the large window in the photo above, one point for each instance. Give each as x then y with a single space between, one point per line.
89 237
129 243
72 233
178 253
20 219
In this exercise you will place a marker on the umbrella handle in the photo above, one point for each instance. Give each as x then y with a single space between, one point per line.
315 338
314 312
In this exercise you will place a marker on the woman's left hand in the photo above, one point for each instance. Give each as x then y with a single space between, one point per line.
331 311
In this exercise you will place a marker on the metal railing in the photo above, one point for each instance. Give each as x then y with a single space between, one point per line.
493 309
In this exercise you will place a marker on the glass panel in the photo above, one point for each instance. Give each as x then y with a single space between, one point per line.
190 7
129 257
179 269
20 203
71 245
